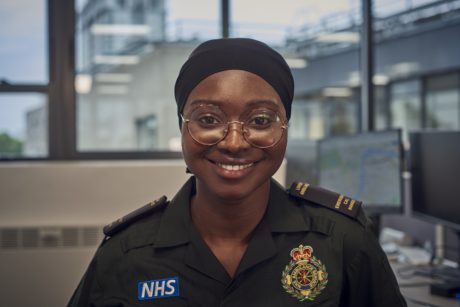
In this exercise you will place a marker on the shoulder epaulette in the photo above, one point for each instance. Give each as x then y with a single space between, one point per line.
326 198
123 222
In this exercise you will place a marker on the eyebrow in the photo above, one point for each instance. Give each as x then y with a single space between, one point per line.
251 103
205 101
263 102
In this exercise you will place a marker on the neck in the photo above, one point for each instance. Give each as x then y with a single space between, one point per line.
234 220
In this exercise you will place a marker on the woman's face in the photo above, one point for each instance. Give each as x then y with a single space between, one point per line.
233 169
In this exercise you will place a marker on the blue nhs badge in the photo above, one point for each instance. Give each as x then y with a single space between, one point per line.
160 288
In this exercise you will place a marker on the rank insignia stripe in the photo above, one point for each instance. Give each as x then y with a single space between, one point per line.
123 222
326 198
159 288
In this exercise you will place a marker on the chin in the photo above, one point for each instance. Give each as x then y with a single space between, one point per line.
232 190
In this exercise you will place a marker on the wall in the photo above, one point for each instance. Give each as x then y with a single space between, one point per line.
51 214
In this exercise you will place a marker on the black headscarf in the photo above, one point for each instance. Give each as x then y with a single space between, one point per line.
235 53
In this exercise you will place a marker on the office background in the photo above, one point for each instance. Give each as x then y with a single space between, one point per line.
88 126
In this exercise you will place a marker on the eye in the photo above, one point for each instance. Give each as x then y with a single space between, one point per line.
208 120
261 121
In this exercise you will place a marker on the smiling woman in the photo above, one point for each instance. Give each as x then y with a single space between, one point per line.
232 235
235 166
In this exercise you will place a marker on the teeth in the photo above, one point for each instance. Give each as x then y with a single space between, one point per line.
234 167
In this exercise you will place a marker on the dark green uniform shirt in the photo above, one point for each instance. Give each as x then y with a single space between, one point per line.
301 254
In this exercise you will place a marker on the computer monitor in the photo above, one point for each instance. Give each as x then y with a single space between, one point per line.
365 166
435 168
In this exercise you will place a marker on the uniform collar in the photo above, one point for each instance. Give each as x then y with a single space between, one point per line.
176 220
284 214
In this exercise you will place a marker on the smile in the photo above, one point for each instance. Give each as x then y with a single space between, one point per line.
237 167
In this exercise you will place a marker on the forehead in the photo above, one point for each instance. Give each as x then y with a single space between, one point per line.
235 90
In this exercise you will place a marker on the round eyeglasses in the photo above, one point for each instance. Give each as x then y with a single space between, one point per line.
261 127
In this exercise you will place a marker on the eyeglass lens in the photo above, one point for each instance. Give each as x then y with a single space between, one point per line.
261 127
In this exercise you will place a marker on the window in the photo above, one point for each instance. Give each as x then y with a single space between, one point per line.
342 117
443 102
307 33
126 69
272 26
381 107
24 37
147 132
110 95
328 112
411 42
406 105
24 78
23 125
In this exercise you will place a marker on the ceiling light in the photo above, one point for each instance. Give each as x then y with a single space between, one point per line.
119 29
404 68
113 77
380 80
116 59
296 63
338 37
112 89
337 92
83 83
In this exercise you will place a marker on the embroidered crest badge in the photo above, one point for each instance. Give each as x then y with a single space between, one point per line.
305 276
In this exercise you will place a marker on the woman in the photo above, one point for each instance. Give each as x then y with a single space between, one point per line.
232 236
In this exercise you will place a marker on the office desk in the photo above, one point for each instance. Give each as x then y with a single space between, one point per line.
416 290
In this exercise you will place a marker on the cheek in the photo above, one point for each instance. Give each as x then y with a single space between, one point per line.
280 148
279 151
191 151
187 146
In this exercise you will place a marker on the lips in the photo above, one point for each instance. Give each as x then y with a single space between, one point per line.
234 167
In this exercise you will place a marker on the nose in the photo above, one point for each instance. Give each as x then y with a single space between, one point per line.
234 140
